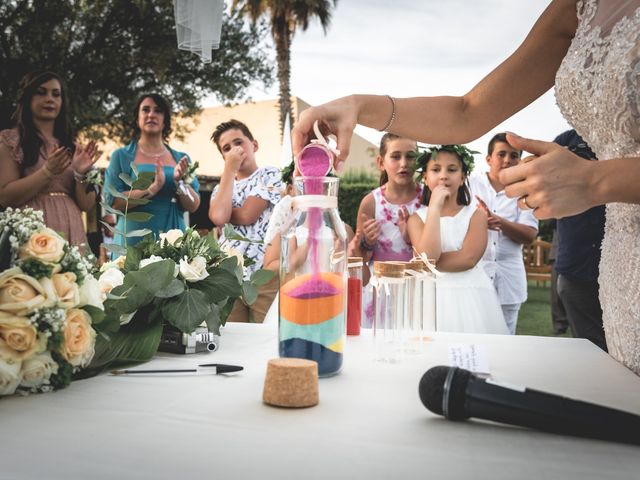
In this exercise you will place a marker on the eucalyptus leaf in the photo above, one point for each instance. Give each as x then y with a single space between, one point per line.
135 170
187 310
109 209
109 227
250 292
138 233
144 180
176 287
139 216
132 259
97 314
230 264
213 318
112 190
126 179
262 276
138 201
115 248
230 234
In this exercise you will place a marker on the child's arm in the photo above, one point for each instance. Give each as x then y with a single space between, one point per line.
428 239
220 207
367 226
249 212
271 259
473 247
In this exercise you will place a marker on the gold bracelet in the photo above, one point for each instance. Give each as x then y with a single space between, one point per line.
393 115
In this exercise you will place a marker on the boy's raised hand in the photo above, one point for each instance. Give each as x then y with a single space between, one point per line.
233 158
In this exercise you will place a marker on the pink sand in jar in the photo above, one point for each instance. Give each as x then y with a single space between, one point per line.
313 288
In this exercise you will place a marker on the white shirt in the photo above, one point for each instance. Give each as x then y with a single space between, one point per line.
502 259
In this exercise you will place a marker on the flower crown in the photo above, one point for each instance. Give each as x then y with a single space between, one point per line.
461 151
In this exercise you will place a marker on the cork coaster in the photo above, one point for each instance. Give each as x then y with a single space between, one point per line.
291 383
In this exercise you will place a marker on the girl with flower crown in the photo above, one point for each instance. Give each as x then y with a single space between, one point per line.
453 233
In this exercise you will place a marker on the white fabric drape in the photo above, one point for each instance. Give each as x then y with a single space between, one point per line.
198 26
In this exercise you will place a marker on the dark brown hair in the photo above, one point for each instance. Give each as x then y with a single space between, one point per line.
464 195
165 108
498 137
30 141
230 125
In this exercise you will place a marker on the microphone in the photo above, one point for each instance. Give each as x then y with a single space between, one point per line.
457 394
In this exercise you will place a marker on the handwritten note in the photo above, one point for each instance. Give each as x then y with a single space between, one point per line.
470 356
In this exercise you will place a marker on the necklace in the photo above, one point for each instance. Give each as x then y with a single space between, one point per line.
391 215
151 155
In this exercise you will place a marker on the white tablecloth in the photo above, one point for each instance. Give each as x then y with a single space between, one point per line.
369 424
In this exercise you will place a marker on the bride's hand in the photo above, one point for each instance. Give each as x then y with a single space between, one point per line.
556 184
338 117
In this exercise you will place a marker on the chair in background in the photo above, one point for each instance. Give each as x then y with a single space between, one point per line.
536 261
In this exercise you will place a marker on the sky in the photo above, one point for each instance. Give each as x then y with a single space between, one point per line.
410 48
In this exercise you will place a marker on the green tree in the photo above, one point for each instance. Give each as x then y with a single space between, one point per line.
284 16
111 51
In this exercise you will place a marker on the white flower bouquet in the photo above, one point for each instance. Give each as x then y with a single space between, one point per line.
181 279
50 306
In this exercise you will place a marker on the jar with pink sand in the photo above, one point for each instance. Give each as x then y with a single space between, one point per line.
313 259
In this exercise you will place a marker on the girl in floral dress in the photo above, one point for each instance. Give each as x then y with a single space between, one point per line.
383 213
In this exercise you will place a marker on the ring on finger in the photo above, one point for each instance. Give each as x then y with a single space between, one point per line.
524 205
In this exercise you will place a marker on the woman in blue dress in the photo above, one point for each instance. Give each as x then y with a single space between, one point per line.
150 152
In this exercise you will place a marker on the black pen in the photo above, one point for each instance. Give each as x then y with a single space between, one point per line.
206 369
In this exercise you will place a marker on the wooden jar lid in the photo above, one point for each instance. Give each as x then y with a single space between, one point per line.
389 269
291 383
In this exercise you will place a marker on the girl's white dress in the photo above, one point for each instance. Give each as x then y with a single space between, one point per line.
465 301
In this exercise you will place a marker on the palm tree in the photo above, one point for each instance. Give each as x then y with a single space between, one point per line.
284 17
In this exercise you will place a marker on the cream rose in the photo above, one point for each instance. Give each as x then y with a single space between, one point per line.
37 370
232 252
109 280
117 263
79 338
64 287
171 236
90 293
21 294
194 271
9 377
19 339
45 245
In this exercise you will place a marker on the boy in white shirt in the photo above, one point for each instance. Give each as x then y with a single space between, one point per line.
509 228
245 197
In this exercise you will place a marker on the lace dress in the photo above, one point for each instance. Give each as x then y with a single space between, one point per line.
466 301
598 91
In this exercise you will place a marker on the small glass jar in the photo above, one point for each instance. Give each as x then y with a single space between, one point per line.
354 295
389 309
429 314
313 263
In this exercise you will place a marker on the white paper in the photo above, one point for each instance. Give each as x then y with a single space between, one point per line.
470 356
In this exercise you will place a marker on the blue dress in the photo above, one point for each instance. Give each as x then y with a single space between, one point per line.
164 206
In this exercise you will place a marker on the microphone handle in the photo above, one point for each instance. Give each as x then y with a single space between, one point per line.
548 412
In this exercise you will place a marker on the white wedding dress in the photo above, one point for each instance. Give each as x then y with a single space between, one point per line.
466 301
598 91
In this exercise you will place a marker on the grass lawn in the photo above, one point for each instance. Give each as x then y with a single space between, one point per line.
535 313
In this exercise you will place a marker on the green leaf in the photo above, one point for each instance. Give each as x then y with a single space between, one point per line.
109 227
139 216
230 264
230 234
219 284
126 179
97 314
226 310
115 248
138 201
138 233
132 259
187 310
134 169
134 343
143 181
176 287
109 209
262 276
112 190
213 318
250 292
139 287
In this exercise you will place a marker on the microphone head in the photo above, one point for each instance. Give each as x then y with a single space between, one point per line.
432 391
